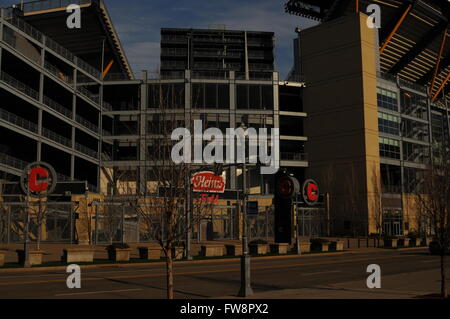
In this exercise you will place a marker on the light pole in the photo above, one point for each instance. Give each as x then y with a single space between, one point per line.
246 289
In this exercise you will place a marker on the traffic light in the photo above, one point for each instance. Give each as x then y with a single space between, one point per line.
286 189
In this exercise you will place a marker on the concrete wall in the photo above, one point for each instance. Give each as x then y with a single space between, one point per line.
339 65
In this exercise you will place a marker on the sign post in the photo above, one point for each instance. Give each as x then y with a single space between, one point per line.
38 180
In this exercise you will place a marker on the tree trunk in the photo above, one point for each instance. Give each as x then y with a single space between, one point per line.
169 275
443 277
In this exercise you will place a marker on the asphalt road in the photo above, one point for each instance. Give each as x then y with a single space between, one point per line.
222 278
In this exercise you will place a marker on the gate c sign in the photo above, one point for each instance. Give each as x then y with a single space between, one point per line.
310 192
38 179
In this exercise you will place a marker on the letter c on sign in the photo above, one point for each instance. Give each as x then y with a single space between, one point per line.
33 183
312 192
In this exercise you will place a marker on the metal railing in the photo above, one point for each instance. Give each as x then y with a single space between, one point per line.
411 85
173 39
58 73
91 96
12 161
81 120
173 51
292 156
8 79
18 121
86 150
57 107
258 76
220 75
25 27
56 137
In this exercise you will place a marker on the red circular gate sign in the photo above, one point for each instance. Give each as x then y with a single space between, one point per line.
38 179
310 192
287 186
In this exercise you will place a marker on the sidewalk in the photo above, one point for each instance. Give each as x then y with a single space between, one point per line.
401 286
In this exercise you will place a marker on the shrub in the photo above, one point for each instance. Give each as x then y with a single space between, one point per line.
413 235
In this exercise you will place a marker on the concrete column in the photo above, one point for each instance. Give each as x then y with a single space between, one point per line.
247 72
142 145
233 124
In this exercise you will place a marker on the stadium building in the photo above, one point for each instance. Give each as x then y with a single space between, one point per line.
377 105
69 97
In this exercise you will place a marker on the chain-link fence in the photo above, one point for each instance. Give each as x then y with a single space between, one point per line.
56 222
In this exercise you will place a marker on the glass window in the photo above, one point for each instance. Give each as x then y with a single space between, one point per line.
388 123
389 148
387 99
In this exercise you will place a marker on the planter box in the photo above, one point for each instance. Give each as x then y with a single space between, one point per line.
280 249
149 253
233 250
404 242
415 242
212 250
119 254
320 246
83 255
2 257
427 241
305 247
35 257
258 249
337 245
391 243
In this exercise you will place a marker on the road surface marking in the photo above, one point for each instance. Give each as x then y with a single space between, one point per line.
97 292
321 273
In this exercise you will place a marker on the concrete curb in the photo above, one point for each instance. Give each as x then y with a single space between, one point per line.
162 263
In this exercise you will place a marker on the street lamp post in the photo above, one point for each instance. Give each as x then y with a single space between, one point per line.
246 289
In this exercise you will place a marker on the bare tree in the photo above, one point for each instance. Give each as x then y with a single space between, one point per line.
377 203
38 209
433 200
353 200
163 196
328 184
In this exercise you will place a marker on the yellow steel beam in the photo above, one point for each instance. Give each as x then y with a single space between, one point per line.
441 87
438 61
108 67
397 26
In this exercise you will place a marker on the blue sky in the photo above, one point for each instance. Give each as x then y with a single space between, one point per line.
138 23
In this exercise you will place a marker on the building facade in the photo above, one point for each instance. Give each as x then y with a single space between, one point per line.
375 111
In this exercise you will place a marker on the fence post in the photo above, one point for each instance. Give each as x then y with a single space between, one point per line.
8 233
71 224
267 224
96 224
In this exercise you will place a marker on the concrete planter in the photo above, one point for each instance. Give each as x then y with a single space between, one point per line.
35 256
83 255
234 250
212 250
119 254
305 247
415 242
2 257
403 242
427 241
336 246
149 253
391 243
258 249
280 249
315 246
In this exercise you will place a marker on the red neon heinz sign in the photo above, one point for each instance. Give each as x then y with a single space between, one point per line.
207 182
